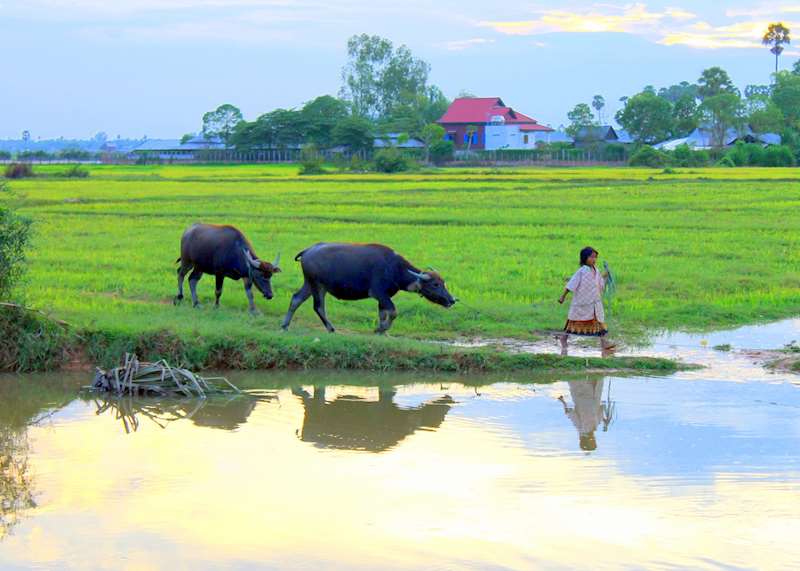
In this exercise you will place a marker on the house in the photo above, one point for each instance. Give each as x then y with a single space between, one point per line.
494 125
174 149
702 138
394 140
601 134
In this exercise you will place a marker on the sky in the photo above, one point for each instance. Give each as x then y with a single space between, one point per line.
133 68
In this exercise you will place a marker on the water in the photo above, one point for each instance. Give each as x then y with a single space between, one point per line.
328 471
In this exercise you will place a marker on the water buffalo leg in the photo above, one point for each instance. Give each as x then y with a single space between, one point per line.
218 290
182 271
386 315
194 277
248 289
297 300
319 307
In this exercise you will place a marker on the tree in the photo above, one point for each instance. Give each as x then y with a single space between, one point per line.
580 118
320 117
647 117
377 75
414 111
470 131
714 81
776 36
786 95
430 134
598 102
355 132
796 67
678 91
187 137
274 130
15 235
221 122
684 115
721 113
767 119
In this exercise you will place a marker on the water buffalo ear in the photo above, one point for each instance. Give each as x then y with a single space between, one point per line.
276 270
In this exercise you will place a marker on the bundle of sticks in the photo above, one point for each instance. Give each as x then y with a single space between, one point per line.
136 377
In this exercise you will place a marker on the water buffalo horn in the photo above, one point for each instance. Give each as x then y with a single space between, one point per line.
253 261
420 275
277 261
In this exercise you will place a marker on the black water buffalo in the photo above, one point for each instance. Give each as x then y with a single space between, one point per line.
359 271
224 252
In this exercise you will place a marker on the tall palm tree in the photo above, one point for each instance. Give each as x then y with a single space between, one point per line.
776 36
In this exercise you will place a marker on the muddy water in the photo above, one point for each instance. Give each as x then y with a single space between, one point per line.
343 471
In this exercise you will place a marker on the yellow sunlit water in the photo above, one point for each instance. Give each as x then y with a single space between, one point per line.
424 476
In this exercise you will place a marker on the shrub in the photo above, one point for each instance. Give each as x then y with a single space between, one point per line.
612 152
647 156
685 156
746 154
778 156
725 161
390 160
76 171
311 161
15 233
5 155
19 170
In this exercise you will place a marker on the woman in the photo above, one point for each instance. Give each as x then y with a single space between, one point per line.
586 315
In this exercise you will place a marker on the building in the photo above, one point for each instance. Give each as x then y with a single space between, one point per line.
702 139
486 123
397 140
174 149
601 134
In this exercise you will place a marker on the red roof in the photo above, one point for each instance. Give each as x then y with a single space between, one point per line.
535 127
481 110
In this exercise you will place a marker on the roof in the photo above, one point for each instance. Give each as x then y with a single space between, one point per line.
597 133
536 127
481 110
194 144
560 137
624 137
393 140
702 138
159 145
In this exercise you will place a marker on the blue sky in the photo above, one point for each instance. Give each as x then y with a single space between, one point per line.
153 67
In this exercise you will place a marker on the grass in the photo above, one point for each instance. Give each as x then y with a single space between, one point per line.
695 249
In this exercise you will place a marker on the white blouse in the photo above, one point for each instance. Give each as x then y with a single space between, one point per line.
586 286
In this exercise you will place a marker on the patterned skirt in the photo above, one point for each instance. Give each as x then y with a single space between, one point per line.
592 327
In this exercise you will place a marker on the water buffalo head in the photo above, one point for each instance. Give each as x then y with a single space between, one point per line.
432 288
262 273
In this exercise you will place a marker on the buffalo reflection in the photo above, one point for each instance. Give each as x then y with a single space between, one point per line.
588 410
353 423
225 413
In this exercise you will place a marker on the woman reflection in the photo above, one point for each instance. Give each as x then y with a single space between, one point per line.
588 410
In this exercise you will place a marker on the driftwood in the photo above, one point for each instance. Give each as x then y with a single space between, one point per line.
136 378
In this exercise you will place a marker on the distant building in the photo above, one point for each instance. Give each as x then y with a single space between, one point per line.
497 126
175 150
702 138
601 134
393 140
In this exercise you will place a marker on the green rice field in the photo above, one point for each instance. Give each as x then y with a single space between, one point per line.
691 249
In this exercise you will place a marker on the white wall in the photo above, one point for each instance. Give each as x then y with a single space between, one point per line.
510 137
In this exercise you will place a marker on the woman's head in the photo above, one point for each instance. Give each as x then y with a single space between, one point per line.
588 256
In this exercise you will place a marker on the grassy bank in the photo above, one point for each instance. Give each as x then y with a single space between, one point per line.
35 343
693 249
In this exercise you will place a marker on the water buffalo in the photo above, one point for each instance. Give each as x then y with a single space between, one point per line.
359 271
222 251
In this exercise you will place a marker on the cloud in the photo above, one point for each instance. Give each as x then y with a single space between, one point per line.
703 35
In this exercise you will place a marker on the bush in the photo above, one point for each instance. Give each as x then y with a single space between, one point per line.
19 170
725 161
390 160
647 156
746 154
441 152
15 233
311 161
5 155
685 156
612 152
76 171
778 156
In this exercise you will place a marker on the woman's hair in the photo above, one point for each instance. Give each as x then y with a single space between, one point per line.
586 252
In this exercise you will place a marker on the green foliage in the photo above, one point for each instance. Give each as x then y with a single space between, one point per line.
581 117
4 155
786 95
684 116
715 81
722 112
778 156
222 122
19 170
277 129
416 110
354 132
390 160
685 156
776 36
33 342
15 234
647 156
75 171
378 76
311 161
320 116
682 90
441 151
647 117
613 152
726 161
76 155
767 119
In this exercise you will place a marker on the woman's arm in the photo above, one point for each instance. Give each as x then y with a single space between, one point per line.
563 296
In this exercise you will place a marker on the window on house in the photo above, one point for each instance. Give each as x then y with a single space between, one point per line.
525 139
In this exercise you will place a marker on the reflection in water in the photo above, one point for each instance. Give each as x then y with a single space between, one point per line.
226 413
353 423
16 489
588 410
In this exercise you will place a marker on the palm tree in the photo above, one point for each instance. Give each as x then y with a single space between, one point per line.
776 36
471 130
599 103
